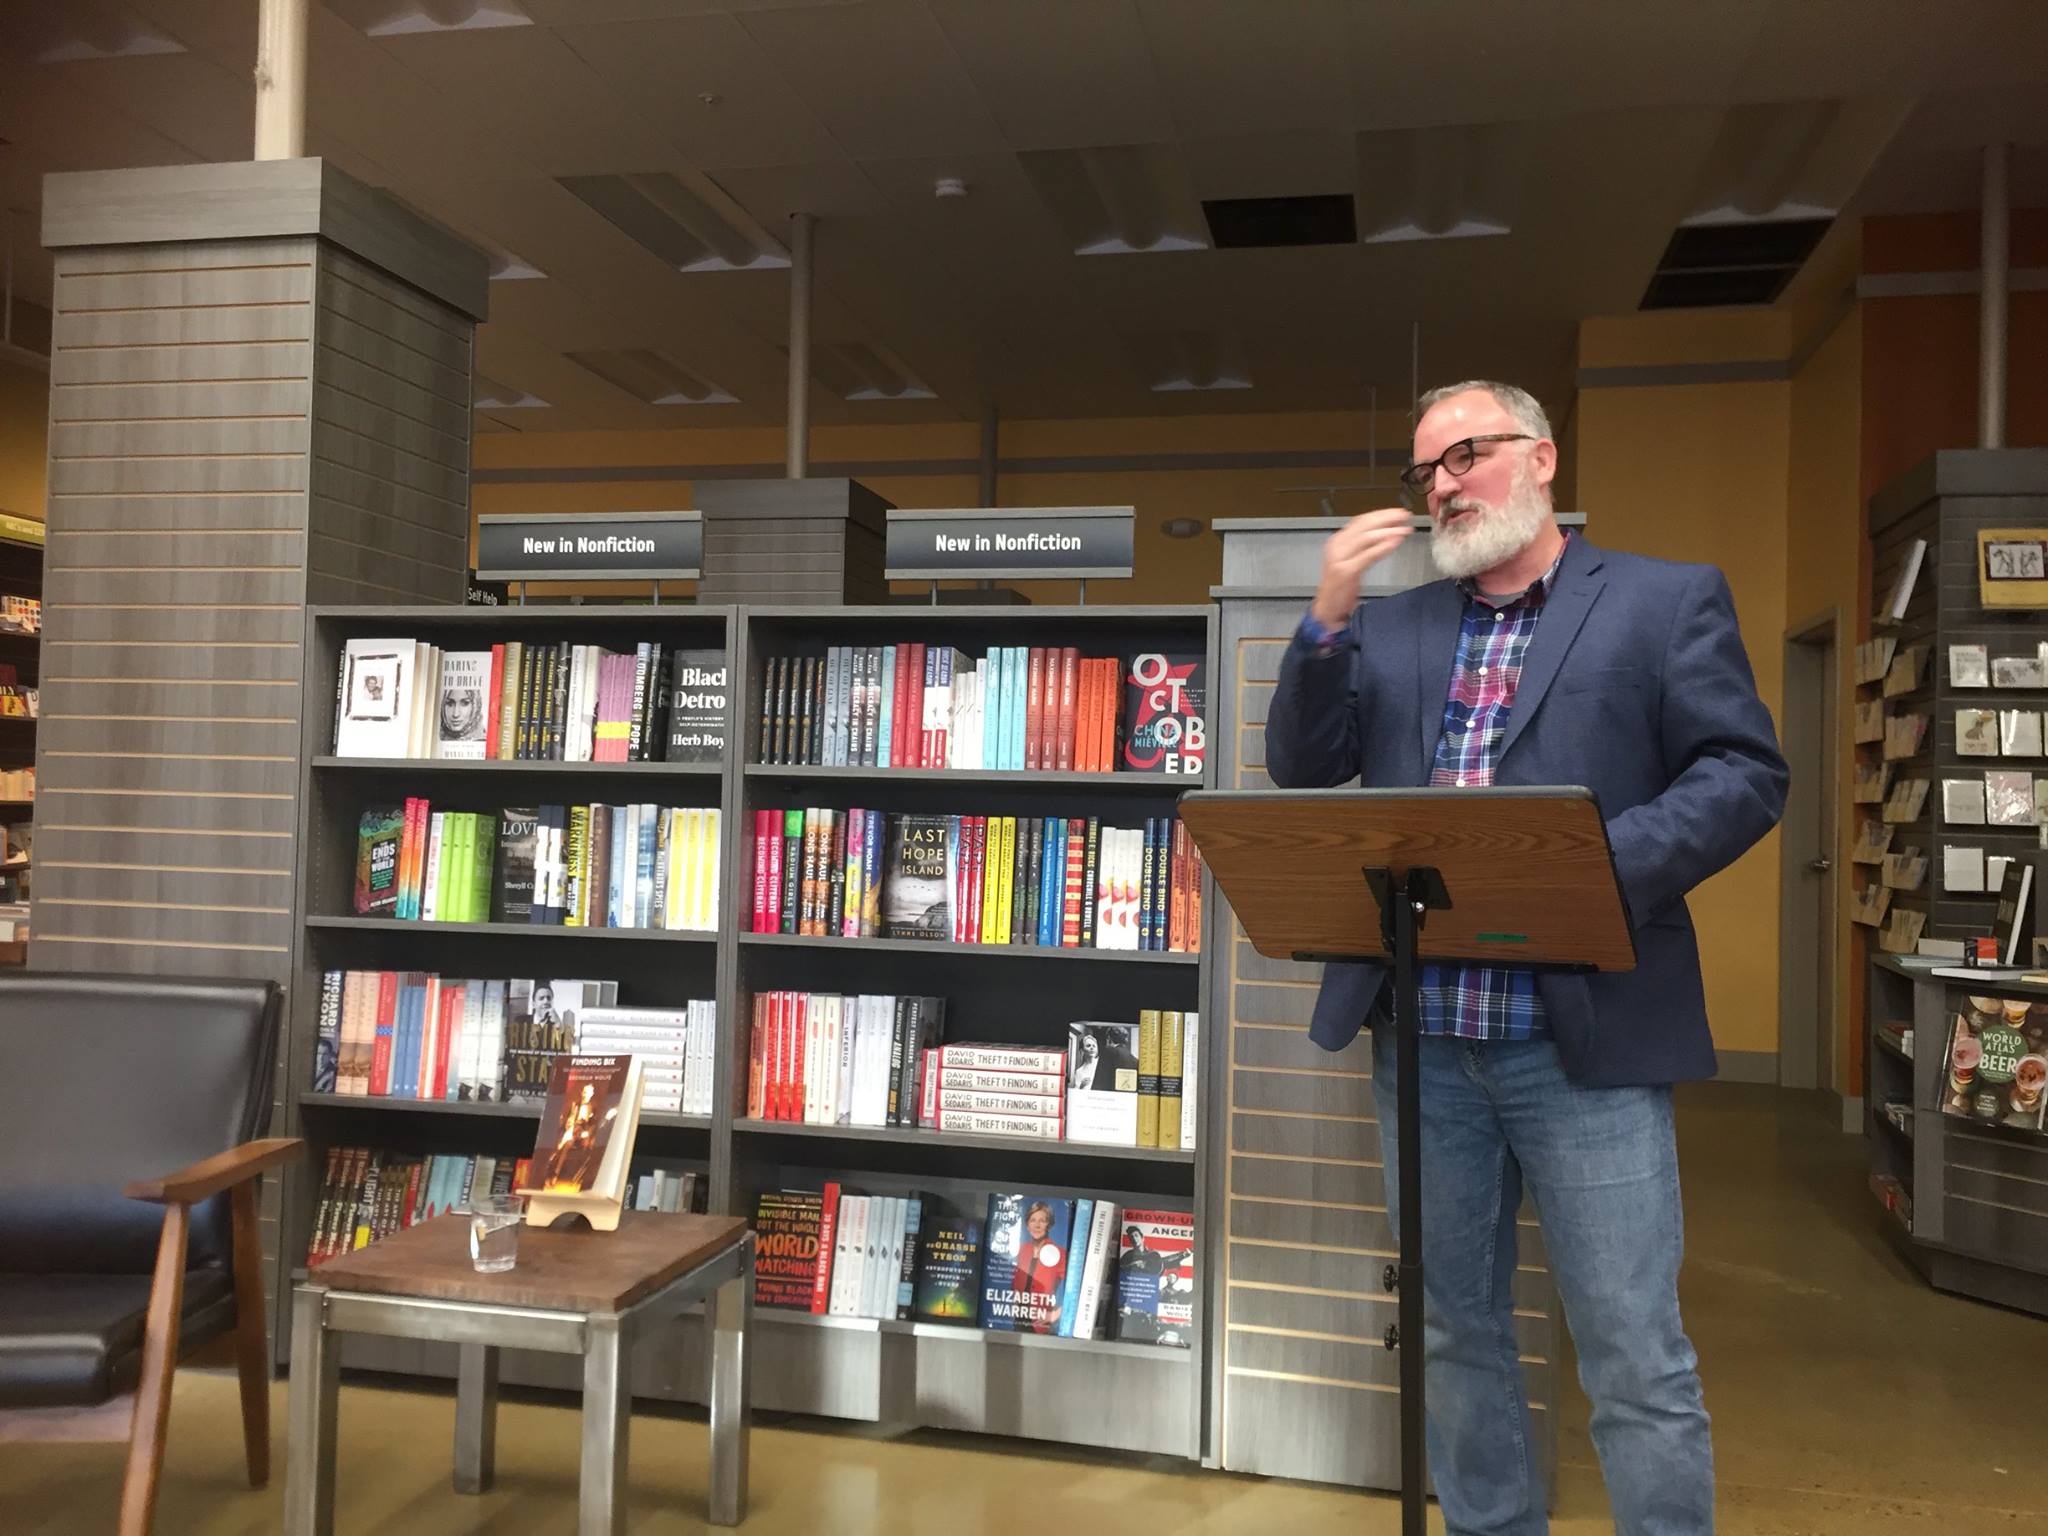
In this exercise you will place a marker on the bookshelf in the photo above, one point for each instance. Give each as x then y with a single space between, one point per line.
1126 1396
21 575
1968 1202
1108 1393
652 966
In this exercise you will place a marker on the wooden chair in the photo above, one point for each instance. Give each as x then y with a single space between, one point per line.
110 1269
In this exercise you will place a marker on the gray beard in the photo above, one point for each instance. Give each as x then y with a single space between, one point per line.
1492 536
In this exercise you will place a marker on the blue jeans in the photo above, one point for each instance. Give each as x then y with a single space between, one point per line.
1602 1166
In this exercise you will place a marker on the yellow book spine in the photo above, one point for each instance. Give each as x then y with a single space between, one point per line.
1148 1077
1007 880
1172 1043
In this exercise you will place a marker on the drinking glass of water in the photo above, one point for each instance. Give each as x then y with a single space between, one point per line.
494 1232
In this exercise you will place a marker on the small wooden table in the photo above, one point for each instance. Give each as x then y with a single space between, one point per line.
593 1294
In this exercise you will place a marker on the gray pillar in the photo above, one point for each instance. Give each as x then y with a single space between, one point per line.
799 457
259 399
1995 258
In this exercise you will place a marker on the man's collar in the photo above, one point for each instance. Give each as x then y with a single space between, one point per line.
1537 592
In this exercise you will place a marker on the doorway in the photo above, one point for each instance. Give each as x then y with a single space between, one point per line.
1809 851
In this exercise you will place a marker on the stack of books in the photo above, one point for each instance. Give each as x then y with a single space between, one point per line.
674 1047
520 701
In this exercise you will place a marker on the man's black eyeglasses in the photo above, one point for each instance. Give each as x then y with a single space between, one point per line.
1457 458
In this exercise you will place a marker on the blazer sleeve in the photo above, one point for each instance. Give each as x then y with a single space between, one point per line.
1312 721
1727 779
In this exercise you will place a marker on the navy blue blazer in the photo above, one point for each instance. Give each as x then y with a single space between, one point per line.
1635 685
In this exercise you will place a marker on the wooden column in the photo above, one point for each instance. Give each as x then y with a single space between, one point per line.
259 399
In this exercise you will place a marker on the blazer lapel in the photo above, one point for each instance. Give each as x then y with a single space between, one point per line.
1564 612
1436 658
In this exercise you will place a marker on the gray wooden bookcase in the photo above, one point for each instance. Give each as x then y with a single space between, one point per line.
1125 1396
652 967
1975 1218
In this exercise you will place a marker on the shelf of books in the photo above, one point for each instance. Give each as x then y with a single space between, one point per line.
513 847
977 1178
21 625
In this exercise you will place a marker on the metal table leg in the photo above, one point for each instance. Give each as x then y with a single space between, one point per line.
476 1418
315 1390
607 1420
730 1308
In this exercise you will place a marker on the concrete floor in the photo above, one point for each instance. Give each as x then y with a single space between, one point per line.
1847 1397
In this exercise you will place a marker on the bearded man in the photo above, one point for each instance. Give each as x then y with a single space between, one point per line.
1541 659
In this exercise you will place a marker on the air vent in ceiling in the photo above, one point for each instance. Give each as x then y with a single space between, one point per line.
401 18
1722 265
652 377
490 395
692 225
1248 223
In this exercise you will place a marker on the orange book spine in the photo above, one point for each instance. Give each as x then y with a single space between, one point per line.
1177 892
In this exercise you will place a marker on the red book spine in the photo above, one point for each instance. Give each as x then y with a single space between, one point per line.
928 1089
1084 700
448 1018
757 1060
1062 753
495 695
899 711
979 841
784 1007
410 1206
799 1056
1034 708
1070 897
1098 752
761 838
387 1013
828 1228
775 841
410 846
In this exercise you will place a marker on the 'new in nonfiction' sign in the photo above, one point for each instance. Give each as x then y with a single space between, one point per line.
643 546
992 542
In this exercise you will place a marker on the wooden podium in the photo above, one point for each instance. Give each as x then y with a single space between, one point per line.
1514 877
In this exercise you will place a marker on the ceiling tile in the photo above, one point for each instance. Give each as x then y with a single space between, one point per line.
662 71
526 89
1060 74
1229 68
881 77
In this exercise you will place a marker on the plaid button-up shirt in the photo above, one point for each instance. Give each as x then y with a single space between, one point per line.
1476 1002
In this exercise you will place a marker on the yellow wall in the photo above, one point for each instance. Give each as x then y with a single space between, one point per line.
24 438
1698 472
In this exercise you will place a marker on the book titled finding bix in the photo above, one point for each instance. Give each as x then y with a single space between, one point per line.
585 1143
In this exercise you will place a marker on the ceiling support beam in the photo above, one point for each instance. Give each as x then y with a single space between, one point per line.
799 458
1996 259
281 80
